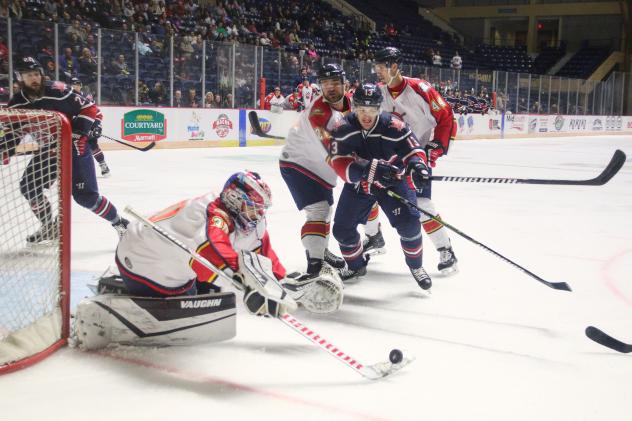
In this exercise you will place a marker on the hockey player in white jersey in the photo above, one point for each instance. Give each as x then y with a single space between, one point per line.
306 172
229 231
431 119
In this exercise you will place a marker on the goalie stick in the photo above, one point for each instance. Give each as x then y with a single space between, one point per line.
606 340
555 285
129 145
373 371
613 167
256 126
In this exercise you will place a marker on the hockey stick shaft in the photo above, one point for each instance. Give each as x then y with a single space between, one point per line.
555 285
287 319
606 340
129 145
613 167
253 117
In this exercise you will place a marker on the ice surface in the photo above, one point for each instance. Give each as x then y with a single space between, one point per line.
491 343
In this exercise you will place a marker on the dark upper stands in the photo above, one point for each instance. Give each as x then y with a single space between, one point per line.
584 62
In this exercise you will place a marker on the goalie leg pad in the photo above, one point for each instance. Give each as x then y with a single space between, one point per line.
321 294
119 319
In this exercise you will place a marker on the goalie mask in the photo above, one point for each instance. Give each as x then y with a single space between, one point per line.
246 197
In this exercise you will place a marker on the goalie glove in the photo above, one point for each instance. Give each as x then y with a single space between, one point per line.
419 173
434 150
379 174
318 294
263 294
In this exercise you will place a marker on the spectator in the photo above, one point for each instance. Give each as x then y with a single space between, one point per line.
143 93
177 99
75 29
457 62
436 58
229 101
88 66
208 99
158 95
120 67
68 62
218 101
192 100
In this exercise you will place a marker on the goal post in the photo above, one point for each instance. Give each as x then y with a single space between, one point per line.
34 278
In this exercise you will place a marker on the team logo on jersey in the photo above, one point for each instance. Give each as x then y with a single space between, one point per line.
144 126
441 102
222 125
195 133
435 107
218 222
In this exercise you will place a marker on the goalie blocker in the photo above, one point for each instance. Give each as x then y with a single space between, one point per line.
121 319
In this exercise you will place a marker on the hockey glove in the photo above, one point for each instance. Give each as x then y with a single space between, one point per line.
95 132
380 174
434 150
80 143
419 173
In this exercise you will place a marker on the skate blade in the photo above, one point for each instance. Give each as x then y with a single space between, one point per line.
106 175
41 244
375 252
452 270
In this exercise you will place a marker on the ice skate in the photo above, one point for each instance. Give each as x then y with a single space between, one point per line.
422 278
47 232
333 260
447 261
374 244
105 170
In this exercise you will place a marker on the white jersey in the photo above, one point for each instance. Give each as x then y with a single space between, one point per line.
304 149
145 253
307 93
276 103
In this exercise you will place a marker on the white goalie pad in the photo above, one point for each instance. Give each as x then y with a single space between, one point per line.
256 273
322 294
120 319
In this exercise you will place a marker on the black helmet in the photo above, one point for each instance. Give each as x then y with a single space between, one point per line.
28 63
388 55
331 71
75 81
367 95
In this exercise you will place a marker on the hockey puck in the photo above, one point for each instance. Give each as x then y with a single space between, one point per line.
396 356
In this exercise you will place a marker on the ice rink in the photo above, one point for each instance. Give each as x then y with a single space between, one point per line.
491 343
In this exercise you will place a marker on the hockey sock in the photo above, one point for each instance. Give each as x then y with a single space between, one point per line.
314 236
352 253
98 155
437 233
413 250
105 210
42 209
372 226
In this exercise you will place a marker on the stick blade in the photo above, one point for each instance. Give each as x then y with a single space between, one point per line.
613 167
382 369
606 340
562 286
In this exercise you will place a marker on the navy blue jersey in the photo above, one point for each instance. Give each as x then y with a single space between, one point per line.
390 139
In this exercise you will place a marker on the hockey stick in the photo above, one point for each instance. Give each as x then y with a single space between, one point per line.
256 126
555 285
606 340
373 372
143 149
613 167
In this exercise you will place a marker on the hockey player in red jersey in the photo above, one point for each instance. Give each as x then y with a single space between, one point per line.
274 101
432 121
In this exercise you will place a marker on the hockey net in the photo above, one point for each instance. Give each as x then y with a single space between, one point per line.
34 278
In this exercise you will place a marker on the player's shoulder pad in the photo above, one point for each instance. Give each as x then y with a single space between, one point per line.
346 127
56 89
419 85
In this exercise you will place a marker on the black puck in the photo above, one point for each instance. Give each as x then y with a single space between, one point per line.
396 356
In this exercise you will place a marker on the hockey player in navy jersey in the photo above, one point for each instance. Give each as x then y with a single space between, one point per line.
95 132
373 152
41 172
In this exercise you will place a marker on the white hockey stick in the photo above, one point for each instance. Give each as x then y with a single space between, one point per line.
373 372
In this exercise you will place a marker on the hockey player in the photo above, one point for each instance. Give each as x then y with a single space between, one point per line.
95 132
305 170
432 121
41 173
229 231
371 152
274 101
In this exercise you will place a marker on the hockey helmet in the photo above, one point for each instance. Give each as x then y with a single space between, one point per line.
331 71
75 81
27 64
246 197
388 55
367 95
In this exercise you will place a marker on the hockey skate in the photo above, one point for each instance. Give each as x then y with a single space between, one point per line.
422 278
121 226
347 274
47 232
374 244
447 261
105 170
333 260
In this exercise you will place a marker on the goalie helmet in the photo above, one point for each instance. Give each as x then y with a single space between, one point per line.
246 197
